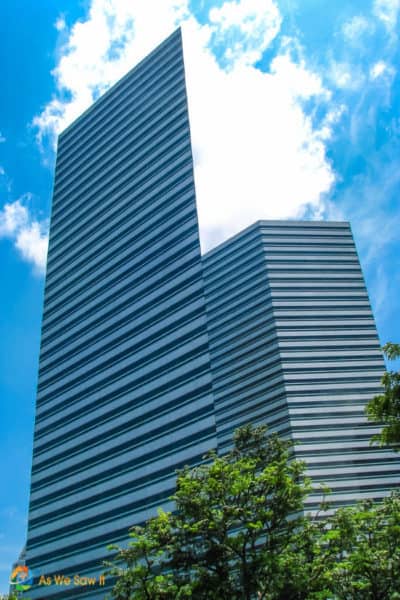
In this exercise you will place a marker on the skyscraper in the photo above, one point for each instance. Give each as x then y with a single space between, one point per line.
124 392
151 355
293 343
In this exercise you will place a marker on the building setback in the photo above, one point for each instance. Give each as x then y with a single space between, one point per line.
151 355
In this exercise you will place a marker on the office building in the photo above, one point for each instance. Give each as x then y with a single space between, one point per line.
151 355
293 343
124 392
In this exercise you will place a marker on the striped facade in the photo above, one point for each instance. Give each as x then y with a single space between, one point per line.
293 344
124 393
151 355
248 383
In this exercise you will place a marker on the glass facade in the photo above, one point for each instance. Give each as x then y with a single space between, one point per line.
293 343
151 355
124 393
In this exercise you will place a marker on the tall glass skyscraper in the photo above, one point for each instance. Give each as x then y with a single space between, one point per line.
151 355
124 393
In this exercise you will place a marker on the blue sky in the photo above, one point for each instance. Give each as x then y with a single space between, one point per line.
295 113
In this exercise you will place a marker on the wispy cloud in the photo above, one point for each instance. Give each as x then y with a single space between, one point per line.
370 203
241 31
346 75
356 28
60 23
381 69
28 235
258 153
362 73
368 51
387 11
2 138
99 50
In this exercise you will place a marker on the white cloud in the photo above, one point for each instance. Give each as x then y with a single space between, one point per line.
244 29
387 11
380 69
32 242
332 117
100 50
29 235
257 152
13 218
356 69
60 24
2 138
377 69
346 76
355 28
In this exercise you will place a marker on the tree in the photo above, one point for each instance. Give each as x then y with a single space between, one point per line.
234 532
365 541
384 409
239 533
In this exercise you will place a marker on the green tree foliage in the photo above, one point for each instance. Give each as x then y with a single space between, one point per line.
239 533
365 541
384 409
227 539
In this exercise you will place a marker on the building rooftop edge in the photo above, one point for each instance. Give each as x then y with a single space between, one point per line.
120 81
276 223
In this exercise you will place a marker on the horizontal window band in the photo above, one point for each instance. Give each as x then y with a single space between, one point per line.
121 220
173 159
104 270
104 538
153 475
191 389
144 396
84 193
184 269
143 352
181 307
126 446
147 417
88 121
167 99
111 494
185 331
115 206
162 312
177 240
108 473
197 340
